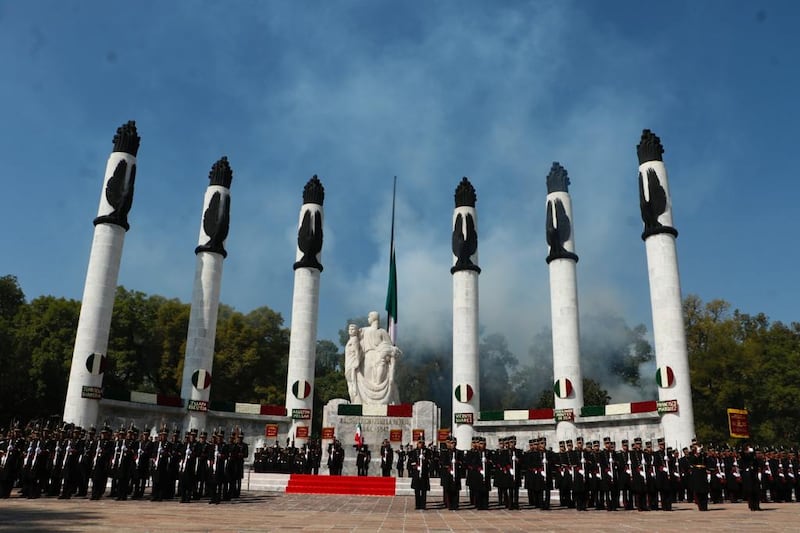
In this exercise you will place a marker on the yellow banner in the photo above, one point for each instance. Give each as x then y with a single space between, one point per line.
738 423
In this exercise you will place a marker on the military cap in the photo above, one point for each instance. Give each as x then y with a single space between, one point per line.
637 440
595 443
661 440
579 440
532 441
606 439
624 442
569 442
648 444
561 444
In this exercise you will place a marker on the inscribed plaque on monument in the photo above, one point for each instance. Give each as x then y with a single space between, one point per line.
564 415
92 393
327 433
667 406
442 434
271 430
197 405
301 414
301 432
464 418
396 435
417 434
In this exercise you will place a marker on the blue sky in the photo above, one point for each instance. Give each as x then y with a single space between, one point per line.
358 92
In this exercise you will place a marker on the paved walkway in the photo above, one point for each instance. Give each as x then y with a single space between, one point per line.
302 512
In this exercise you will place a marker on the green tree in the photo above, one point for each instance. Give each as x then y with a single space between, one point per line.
593 394
496 365
329 381
44 340
739 360
14 366
251 357
134 350
328 358
171 327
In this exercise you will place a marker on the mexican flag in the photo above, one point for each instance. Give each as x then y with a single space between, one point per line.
359 439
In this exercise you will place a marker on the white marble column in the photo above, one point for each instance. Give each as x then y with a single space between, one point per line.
669 333
305 310
89 357
210 253
465 271
562 260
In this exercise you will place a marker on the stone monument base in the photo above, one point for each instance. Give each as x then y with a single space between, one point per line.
617 427
118 413
400 424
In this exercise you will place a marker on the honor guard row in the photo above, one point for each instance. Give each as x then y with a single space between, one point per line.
597 475
73 462
289 460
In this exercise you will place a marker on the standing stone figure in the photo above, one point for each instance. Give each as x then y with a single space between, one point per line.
369 364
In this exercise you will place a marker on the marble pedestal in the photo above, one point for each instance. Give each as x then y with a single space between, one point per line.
426 416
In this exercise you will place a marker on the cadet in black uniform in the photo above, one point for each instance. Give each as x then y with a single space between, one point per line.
419 470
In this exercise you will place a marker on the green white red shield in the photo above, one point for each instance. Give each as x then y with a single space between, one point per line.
463 393
201 379
96 363
301 389
563 388
665 377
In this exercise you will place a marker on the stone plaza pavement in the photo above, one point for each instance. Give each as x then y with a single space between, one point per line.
264 511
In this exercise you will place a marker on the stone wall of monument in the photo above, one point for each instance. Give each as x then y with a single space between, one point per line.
617 427
117 414
425 419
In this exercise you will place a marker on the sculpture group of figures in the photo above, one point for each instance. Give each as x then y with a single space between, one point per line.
74 462
369 366
288 460
588 476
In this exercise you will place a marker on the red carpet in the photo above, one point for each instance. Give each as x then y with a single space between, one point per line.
364 485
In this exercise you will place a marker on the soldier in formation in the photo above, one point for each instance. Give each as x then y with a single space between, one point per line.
72 462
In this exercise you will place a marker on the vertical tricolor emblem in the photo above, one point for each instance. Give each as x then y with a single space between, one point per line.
301 389
665 377
201 379
96 364
463 393
563 388
358 437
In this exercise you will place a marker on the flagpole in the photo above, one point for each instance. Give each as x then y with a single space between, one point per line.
391 295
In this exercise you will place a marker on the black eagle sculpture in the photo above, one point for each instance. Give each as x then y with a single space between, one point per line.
465 243
119 191
217 216
309 240
654 205
119 195
558 230
216 223
309 236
